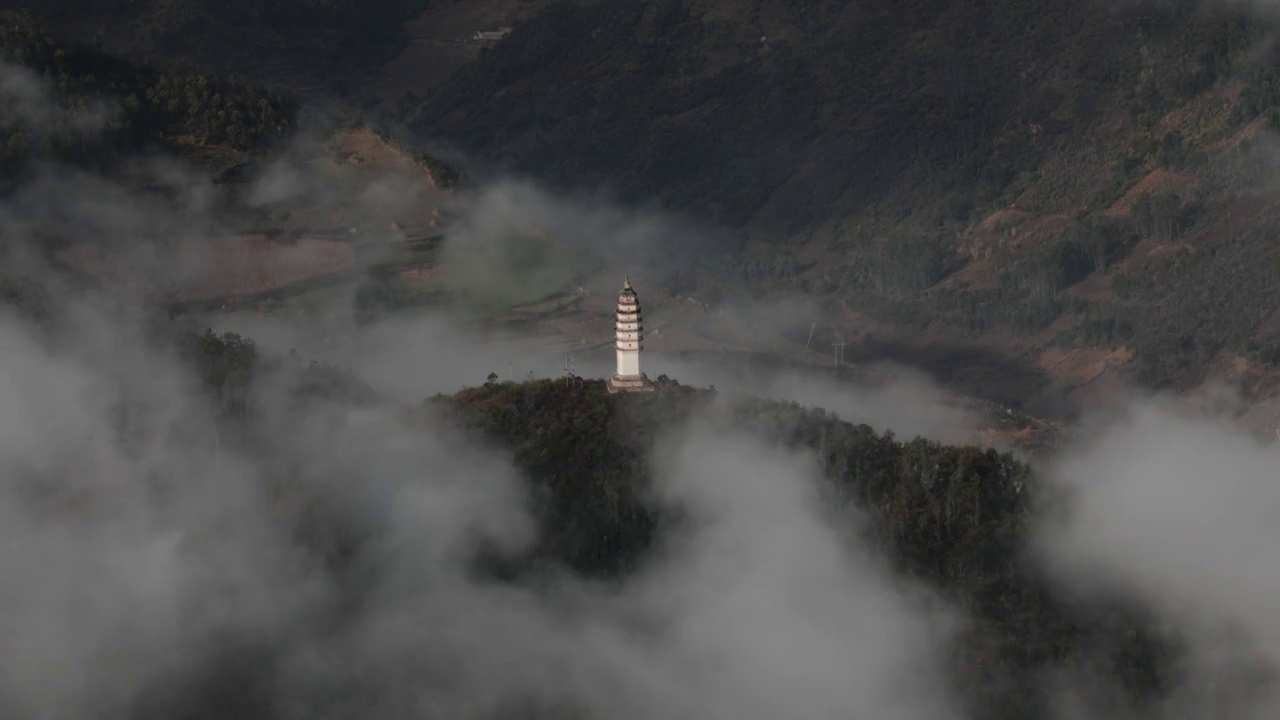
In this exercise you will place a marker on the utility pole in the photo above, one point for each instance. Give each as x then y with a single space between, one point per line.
839 353
568 366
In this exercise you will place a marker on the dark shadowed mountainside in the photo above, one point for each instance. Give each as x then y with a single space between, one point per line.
305 40
783 116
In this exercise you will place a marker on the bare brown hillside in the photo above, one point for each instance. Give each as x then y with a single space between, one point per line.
359 189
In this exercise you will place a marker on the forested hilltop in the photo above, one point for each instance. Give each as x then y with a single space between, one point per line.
954 517
957 519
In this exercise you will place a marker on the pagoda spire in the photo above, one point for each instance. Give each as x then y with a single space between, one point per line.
628 330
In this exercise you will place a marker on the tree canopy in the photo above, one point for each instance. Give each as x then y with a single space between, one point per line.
73 102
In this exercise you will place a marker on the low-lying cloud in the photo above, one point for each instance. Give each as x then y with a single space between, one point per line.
615 234
1171 507
768 606
141 547
896 399
26 104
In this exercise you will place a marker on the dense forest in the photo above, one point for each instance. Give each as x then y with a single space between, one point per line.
955 517
78 104
791 115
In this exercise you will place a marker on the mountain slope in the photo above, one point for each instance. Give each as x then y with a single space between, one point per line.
771 115
998 173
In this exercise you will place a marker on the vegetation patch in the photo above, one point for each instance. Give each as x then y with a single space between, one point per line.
75 103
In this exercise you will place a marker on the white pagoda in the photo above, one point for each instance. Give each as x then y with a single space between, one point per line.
627 335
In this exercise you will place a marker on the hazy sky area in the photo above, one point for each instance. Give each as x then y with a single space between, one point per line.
149 570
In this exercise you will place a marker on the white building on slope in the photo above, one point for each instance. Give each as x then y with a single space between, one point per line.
627 335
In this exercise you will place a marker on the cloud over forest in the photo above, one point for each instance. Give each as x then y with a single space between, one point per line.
163 560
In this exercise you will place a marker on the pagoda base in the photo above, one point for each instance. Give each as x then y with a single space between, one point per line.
630 383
